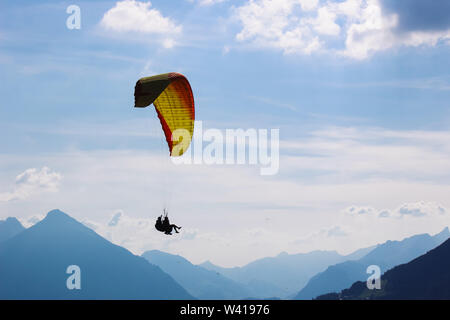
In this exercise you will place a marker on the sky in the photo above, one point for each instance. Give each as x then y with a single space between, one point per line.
359 90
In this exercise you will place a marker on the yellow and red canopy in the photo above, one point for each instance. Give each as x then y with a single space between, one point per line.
171 94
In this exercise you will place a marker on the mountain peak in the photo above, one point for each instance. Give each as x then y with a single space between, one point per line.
56 212
444 231
58 222
206 263
283 254
58 216
11 220
9 228
443 235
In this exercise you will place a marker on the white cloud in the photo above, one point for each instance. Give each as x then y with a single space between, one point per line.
305 27
31 182
421 209
413 209
273 24
325 22
355 210
308 5
370 31
131 15
135 16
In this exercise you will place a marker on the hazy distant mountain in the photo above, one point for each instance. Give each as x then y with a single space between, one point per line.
391 253
200 282
283 275
426 277
360 253
9 228
34 262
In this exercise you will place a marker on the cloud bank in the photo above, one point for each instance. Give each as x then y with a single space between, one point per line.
351 28
33 181
339 188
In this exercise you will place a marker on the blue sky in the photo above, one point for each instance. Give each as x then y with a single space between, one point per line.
358 88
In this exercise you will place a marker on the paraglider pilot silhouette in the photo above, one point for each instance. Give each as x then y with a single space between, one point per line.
163 224
171 95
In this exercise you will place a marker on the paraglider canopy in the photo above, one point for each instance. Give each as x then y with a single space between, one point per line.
171 94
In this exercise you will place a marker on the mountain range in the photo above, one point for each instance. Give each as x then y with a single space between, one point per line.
424 278
282 275
387 255
200 282
34 264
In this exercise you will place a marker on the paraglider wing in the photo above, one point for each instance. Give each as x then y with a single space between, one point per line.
171 94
